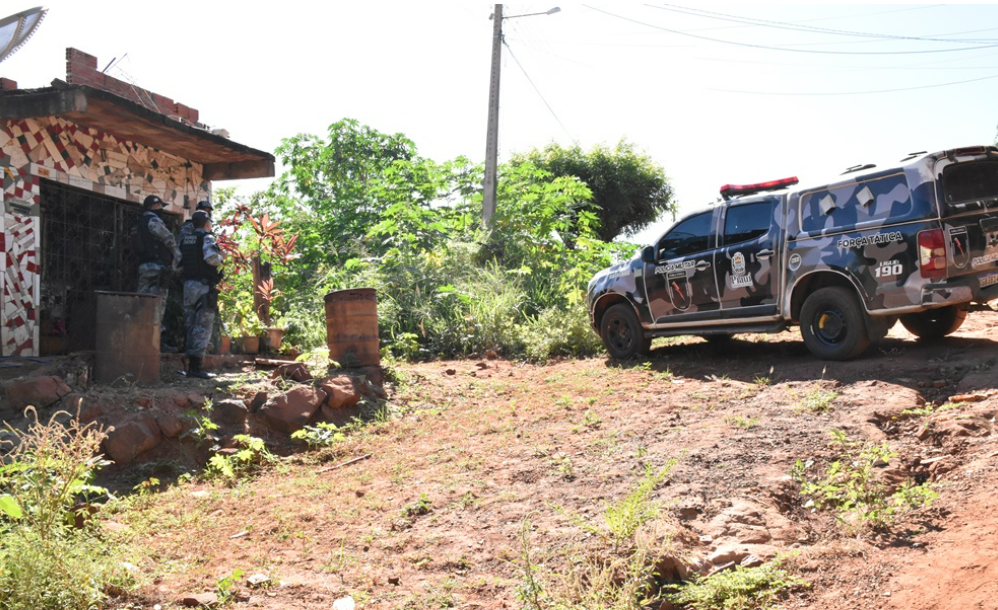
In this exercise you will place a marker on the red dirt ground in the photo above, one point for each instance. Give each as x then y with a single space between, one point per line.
433 518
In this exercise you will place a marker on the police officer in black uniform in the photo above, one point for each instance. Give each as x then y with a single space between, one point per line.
158 254
200 272
188 227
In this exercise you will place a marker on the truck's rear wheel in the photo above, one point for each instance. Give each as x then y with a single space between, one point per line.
833 324
935 323
622 334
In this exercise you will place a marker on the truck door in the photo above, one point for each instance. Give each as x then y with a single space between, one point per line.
970 219
681 284
747 261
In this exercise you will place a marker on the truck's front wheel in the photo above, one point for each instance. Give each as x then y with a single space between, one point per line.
833 324
622 334
935 323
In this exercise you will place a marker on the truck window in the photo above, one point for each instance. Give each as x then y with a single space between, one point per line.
971 185
850 205
688 237
749 221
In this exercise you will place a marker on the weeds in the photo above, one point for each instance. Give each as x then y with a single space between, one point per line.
818 400
226 586
422 506
621 580
746 423
46 562
851 489
320 435
739 589
244 461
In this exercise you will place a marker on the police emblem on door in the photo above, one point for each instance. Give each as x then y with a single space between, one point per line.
960 246
679 290
738 264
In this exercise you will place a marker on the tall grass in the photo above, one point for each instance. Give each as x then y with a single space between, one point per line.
46 562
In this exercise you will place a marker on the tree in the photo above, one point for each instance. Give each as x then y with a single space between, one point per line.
629 190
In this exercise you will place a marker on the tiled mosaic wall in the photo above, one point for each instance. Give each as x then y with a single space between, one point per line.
62 151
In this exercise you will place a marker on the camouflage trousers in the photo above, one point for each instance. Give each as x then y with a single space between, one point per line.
199 317
155 279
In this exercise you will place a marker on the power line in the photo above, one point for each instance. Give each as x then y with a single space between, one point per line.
783 25
785 49
796 93
837 17
541 95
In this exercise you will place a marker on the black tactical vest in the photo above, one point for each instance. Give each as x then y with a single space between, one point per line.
150 249
192 260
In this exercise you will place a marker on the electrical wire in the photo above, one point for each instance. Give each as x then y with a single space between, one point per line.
785 49
797 93
783 25
541 95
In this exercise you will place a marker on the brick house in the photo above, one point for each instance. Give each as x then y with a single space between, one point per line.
77 159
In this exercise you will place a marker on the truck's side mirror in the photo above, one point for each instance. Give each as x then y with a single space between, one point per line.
648 255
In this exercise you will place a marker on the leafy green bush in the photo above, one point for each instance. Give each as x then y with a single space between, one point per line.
320 435
46 562
557 332
738 589
370 211
251 455
850 486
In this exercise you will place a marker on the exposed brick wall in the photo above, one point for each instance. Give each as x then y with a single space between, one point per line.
81 69
7 85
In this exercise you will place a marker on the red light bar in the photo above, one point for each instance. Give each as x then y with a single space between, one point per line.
730 190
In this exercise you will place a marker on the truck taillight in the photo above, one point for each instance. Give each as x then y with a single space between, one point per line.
932 253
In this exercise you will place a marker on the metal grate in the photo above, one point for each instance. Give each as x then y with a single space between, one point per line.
87 244
86 240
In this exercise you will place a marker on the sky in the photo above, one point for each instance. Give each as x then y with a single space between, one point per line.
716 93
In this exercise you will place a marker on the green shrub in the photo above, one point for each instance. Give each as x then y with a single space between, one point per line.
46 562
558 333
738 589
252 454
850 488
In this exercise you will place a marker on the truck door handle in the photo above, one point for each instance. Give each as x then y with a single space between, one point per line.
764 254
702 265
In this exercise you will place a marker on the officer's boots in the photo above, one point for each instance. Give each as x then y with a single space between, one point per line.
194 369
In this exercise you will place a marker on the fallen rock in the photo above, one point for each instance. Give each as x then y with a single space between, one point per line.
726 554
169 425
981 380
259 399
746 522
968 398
200 600
342 390
257 579
344 603
39 392
231 411
751 562
130 438
90 414
290 411
672 569
72 403
296 371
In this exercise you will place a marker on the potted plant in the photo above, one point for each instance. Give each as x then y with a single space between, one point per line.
249 335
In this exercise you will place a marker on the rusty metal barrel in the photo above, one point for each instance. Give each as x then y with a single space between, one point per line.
352 327
127 337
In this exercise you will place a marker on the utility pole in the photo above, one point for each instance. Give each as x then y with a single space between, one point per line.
492 135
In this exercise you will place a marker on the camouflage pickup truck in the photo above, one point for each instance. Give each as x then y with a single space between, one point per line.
844 261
